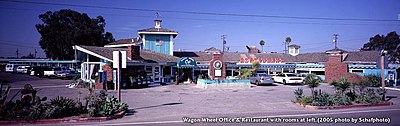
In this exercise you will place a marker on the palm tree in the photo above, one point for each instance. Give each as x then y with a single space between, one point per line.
342 85
262 43
312 80
287 42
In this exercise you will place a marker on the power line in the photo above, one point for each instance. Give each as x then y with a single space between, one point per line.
201 13
223 20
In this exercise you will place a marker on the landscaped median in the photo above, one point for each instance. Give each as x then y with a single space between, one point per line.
32 109
347 95
65 120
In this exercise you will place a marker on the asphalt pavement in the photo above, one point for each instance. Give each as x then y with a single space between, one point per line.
170 104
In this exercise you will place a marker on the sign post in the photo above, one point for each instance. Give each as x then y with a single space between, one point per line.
119 61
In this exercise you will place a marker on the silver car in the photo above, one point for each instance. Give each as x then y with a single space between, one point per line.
261 78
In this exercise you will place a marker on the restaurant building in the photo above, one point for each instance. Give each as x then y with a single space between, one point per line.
151 57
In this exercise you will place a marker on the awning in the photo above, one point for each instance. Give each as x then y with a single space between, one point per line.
186 62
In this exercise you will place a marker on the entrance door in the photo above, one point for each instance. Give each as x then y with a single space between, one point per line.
156 73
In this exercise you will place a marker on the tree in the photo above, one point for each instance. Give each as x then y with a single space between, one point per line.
62 29
262 43
390 42
342 85
287 42
312 80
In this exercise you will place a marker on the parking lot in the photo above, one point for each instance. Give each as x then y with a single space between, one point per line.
168 104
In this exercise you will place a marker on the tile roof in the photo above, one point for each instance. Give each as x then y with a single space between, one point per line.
145 55
126 41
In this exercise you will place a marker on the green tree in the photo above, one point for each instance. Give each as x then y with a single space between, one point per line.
287 42
262 43
390 42
312 81
62 29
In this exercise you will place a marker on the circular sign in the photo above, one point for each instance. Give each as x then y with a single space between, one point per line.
217 64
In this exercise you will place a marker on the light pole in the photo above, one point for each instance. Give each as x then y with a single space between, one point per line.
335 37
383 53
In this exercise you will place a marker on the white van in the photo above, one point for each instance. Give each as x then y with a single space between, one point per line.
12 68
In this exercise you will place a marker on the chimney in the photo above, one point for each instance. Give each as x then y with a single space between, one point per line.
132 51
158 23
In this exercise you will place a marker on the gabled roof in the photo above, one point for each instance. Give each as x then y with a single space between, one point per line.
145 55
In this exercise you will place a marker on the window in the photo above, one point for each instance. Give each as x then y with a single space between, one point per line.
357 71
159 42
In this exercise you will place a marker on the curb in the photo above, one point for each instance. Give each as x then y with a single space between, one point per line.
346 106
64 120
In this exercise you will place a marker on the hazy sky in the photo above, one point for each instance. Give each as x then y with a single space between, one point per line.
200 31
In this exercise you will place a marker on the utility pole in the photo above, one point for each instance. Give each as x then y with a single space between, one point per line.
17 53
335 37
223 37
35 53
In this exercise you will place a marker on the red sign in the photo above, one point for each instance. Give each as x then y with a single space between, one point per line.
261 60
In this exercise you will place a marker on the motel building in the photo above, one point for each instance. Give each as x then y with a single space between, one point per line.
150 58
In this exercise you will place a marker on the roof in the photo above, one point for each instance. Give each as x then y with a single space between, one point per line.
362 56
317 57
295 46
336 50
212 49
157 30
145 55
126 41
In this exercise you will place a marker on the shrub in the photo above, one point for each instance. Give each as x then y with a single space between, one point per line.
104 105
341 86
306 100
341 100
374 80
369 97
298 94
322 99
312 80
62 107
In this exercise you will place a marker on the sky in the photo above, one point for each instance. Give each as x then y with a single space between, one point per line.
310 23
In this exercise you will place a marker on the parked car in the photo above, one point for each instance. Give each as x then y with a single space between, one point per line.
22 69
286 78
38 71
68 74
261 78
12 68
51 72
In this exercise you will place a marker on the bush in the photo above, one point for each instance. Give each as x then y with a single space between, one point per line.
322 99
298 94
341 86
104 105
341 100
306 100
369 97
60 107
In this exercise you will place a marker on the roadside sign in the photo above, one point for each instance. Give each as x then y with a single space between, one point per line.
116 59
378 62
123 59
